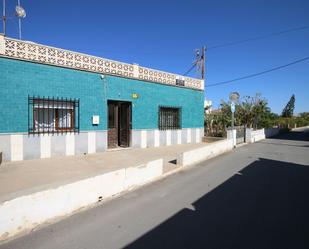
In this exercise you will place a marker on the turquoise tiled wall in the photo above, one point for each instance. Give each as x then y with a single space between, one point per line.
19 78
145 108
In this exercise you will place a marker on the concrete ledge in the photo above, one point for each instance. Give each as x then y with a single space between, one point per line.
198 155
136 176
25 213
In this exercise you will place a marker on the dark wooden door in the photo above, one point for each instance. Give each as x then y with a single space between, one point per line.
119 124
112 134
124 124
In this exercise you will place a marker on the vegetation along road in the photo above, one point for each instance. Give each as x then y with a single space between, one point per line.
254 197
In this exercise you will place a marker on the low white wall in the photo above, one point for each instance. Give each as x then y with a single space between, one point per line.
209 151
22 146
26 212
257 135
253 136
136 176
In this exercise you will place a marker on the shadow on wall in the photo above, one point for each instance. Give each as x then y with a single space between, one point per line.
266 205
293 135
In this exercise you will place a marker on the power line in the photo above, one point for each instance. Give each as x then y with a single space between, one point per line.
181 54
258 37
257 74
252 39
190 69
216 46
219 45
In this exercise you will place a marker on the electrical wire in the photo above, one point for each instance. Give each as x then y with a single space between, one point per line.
190 69
252 39
257 74
219 45
258 37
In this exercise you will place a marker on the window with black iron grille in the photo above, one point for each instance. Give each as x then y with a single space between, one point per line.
52 115
169 118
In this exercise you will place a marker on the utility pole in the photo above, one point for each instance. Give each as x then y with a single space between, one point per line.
4 18
199 62
19 23
203 58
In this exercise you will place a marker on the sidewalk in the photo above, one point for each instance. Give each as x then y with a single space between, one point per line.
34 192
26 177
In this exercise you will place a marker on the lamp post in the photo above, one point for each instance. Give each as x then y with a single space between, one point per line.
234 97
4 18
20 14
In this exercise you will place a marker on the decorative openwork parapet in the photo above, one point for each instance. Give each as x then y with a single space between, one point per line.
30 51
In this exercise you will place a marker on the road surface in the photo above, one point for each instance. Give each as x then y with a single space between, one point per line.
255 197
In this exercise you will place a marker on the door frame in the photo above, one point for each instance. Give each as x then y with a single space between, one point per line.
117 104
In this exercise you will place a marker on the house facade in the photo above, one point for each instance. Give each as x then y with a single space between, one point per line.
55 102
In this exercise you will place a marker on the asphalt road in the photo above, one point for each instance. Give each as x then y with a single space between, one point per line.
255 197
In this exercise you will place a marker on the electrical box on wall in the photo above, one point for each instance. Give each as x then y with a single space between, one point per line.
95 119
135 95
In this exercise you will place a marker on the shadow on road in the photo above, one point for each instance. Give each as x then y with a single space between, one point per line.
266 205
282 144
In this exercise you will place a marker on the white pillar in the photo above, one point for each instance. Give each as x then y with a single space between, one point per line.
231 134
91 142
2 44
17 147
178 136
156 138
189 135
249 135
143 138
70 144
45 144
168 137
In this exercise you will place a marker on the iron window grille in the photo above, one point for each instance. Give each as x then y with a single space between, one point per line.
53 115
169 118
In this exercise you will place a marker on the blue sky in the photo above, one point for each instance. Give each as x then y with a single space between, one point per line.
164 35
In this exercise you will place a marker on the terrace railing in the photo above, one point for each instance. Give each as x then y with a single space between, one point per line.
29 51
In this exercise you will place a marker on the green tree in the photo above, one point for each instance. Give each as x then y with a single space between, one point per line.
252 112
289 108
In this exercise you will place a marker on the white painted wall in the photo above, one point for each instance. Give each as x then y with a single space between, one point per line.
257 135
26 212
17 147
231 135
178 136
156 138
209 151
168 137
135 176
91 142
253 136
189 135
70 144
45 144
197 135
143 138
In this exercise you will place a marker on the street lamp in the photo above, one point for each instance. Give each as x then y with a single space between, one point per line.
20 14
234 97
